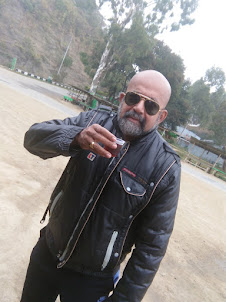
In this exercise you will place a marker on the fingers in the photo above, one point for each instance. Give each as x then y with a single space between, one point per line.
100 134
100 150
92 136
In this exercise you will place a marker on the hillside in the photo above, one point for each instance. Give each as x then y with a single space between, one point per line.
37 33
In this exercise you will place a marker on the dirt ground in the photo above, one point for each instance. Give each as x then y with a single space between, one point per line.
194 268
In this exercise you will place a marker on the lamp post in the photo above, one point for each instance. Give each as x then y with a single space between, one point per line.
64 56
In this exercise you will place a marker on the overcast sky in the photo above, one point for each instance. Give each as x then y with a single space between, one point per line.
202 45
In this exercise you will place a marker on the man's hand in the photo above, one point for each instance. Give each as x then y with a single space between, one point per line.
90 137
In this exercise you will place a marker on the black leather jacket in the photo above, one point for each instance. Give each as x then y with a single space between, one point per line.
102 208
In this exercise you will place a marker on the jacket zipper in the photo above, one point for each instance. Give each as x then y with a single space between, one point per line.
61 264
143 208
55 200
51 206
109 250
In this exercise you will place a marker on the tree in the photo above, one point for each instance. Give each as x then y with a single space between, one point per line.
218 125
68 61
91 61
200 101
158 15
215 78
126 54
172 67
86 5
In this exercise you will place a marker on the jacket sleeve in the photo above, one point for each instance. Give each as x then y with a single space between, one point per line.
156 225
53 138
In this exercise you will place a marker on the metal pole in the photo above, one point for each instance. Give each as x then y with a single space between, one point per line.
64 56
180 135
216 161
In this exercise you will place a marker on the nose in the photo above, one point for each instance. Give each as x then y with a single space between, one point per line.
139 107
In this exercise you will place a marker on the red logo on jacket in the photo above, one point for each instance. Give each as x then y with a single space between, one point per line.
91 156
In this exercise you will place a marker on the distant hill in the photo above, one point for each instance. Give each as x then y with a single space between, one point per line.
37 33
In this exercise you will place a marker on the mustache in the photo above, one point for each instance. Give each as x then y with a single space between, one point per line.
135 115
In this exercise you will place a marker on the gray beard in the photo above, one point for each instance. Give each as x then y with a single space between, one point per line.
131 130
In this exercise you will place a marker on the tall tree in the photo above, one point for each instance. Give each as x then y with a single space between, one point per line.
200 101
171 65
129 46
215 78
158 15
218 125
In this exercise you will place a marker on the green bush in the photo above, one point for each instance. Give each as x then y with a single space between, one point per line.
68 61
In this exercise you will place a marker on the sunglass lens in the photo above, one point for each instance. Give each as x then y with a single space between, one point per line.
132 98
151 107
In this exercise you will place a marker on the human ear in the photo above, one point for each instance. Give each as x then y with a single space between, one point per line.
121 97
163 115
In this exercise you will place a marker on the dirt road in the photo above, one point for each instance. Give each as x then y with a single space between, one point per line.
194 268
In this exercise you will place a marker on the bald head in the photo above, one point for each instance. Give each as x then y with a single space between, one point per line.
153 83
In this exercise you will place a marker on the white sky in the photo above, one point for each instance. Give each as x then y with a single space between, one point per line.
201 45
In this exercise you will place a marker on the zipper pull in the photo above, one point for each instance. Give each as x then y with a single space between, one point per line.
44 215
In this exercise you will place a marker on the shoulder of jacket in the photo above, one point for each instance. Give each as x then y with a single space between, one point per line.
167 163
103 110
99 115
169 150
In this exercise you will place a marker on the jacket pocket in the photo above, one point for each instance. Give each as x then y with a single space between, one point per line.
109 250
54 202
131 186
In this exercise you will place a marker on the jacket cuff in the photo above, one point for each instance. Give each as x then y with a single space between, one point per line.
67 138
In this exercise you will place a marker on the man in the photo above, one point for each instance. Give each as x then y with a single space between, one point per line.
104 206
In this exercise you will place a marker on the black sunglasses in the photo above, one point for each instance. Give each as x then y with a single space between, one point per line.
133 98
